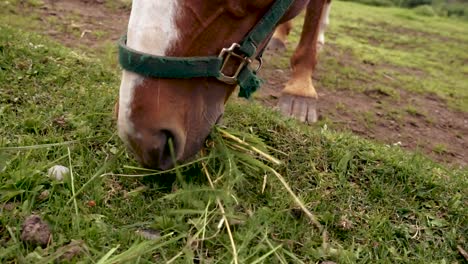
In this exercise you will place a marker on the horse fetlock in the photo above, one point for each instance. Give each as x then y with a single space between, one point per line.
300 84
320 44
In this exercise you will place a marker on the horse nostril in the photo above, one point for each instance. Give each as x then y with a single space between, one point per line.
157 149
164 152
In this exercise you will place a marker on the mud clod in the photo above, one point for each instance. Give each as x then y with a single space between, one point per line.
35 231
75 248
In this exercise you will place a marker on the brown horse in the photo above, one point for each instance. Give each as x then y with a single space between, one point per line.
152 111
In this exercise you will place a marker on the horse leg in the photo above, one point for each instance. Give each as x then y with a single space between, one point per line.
278 41
299 98
324 22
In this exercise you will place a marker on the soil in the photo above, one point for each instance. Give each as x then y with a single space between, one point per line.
77 20
35 231
440 133
433 128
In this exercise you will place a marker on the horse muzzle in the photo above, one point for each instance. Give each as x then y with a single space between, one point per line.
157 149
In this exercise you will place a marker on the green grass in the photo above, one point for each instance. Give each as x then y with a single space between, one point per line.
122 4
378 203
393 48
405 50
25 15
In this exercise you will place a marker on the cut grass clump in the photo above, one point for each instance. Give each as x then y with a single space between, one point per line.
377 203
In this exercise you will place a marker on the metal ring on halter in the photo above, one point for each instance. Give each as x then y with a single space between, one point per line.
226 54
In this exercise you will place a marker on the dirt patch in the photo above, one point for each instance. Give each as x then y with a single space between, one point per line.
414 121
82 23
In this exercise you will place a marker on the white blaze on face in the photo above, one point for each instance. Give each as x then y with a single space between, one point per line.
324 22
152 30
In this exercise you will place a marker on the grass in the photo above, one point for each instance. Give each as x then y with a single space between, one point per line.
377 203
26 15
122 4
398 50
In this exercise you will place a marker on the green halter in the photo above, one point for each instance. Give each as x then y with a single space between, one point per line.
210 66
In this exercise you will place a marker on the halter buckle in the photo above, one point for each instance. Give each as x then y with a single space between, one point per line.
226 54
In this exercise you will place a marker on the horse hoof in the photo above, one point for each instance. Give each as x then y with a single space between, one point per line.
276 45
300 107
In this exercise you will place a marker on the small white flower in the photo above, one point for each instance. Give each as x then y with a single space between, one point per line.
149 233
58 172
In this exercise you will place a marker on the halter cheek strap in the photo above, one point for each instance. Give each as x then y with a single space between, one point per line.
211 66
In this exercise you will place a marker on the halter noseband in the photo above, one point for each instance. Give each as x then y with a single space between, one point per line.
210 66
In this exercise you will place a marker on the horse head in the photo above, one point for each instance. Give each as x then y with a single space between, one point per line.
154 111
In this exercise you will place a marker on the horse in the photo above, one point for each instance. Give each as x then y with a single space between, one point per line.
182 60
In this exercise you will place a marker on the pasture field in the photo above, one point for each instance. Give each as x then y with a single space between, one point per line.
386 74
391 75
378 202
